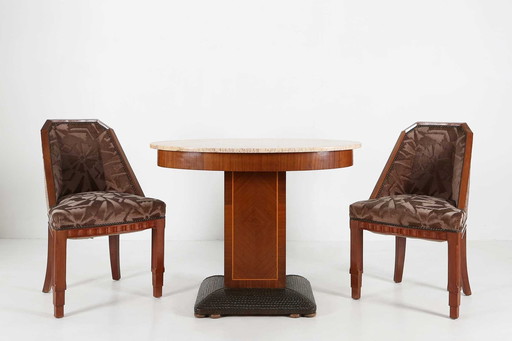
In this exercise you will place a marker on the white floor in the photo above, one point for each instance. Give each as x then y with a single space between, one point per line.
98 308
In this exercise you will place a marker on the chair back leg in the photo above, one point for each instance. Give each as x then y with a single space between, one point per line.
113 244
464 264
399 258
49 264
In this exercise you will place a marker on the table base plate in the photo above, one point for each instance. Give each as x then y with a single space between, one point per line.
295 300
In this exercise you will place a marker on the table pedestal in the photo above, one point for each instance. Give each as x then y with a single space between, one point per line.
255 281
215 300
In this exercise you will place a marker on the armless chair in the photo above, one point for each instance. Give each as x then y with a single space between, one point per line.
421 193
92 191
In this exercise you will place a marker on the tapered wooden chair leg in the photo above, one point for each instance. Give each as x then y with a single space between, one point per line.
454 272
59 272
464 264
157 259
400 243
356 259
49 264
113 243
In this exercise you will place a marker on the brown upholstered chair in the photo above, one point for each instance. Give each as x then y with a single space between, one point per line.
421 193
92 191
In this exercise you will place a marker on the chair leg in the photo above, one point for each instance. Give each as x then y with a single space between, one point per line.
454 272
464 264
400 243
59 271
113 243
157 259
49 264
356 259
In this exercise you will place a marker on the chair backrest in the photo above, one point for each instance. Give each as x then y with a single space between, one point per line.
429 159
83 156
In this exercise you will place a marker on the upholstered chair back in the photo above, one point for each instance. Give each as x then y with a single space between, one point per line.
85 156
429 161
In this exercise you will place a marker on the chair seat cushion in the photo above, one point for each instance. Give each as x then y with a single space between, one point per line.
410 210
94 209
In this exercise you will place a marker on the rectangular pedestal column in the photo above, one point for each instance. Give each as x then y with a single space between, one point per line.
255 229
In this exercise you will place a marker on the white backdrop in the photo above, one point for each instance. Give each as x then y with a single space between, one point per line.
158 70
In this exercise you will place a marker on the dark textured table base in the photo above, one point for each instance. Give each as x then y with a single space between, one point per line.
295 300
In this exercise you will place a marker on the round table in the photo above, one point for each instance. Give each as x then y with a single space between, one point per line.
255 281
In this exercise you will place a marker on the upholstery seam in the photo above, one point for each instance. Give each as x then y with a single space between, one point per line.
107 224
407 226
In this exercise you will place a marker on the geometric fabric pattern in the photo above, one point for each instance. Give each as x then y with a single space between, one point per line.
410 210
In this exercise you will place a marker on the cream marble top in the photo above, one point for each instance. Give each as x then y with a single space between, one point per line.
255 145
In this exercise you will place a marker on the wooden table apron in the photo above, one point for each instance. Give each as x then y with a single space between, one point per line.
255 207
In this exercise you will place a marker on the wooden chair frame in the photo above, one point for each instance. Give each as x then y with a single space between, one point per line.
57 239
457 261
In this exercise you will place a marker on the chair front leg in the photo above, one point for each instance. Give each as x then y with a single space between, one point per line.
59 271
49 264
454 272
400 243
356 259
157 258
113 244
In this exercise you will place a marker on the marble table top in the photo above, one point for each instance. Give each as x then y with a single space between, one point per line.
255 145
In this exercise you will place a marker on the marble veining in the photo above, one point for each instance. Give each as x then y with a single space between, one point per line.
255 145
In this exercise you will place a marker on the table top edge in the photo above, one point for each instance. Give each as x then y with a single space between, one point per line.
322 146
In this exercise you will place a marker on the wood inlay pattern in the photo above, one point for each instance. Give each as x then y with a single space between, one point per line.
114 229
255 224
402 231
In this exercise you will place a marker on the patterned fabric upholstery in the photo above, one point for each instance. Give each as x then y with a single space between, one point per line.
416 211
85 158
429 162
93 209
